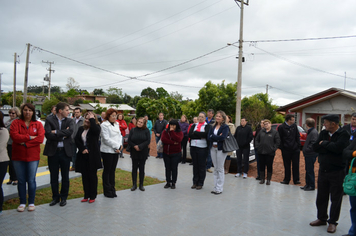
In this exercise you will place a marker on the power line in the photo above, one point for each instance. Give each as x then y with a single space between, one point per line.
291 40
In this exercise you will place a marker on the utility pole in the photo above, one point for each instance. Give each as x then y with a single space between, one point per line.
49 78
26 74
267 89
0 88
14 94
345 81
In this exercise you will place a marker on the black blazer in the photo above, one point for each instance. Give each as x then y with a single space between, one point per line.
92 146
64 134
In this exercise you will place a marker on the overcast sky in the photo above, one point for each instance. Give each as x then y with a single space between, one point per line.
136 38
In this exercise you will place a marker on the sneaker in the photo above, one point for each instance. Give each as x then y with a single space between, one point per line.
209 170
21 208
31 208
245 176
238 175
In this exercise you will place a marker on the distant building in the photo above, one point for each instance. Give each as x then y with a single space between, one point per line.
333 100
92 98
118 107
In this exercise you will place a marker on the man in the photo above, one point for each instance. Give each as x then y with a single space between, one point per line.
209 120
243 136
351 128
258 129
158 128
330 145
59 149
78 121
103 114
310 155
53 111
290 144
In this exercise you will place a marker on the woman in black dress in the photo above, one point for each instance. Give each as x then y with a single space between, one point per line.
139 139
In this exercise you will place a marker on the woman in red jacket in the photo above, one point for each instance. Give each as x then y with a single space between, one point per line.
123 127
132 123
171 139
27 134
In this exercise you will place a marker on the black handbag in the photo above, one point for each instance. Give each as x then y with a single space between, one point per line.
230 143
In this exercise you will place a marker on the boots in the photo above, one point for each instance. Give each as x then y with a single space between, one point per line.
142 177
141 187
269 176
227 166
262 176
134 181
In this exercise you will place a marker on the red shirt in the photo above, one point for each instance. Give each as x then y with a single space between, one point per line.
123 127
171 141
21 134
131 125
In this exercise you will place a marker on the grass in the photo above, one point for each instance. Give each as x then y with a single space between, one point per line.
43 159
43 196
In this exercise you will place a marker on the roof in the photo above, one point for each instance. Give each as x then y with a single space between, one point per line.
316 98
87 107
123 107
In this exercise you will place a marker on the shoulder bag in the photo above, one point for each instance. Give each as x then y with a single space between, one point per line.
230 143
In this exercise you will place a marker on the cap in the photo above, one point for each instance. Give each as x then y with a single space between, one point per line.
331 117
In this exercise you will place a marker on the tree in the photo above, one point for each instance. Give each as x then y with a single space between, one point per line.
176 95
190 109
78 101
134 101
149 93
47 105
72 84
126 98
161 93
99 109
98 92
152 107
114 99
114 91
72 92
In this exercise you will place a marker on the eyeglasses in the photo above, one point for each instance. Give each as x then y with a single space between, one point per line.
113 116
12 113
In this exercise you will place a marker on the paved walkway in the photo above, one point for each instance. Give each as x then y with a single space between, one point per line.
244 208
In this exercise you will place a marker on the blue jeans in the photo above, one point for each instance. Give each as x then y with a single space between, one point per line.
352 230
26 173
309 170
157 140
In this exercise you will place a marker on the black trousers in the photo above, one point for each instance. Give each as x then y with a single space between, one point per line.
184 148
12 172
171 162
266 161
59 160
109 162
138 163
246 153
3 169
89 179
199 164
330 184
291 157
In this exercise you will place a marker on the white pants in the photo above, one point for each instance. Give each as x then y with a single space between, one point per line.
218 158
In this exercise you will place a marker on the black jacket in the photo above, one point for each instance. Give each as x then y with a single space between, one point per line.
330 150
64 134
159 126
347 128
92 146
290 137
267 142
347 153
311 139
140 137
243 136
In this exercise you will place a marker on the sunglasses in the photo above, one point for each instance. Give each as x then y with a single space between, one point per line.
12 113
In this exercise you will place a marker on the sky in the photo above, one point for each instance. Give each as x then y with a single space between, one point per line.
181 45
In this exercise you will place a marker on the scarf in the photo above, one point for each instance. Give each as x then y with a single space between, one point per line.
200 124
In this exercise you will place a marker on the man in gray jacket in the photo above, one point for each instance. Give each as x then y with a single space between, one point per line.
310 156
78 121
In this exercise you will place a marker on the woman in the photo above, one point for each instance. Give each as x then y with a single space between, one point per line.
88 156
195 120
232 131
171 139
139 139
216 137
132 123
258 129
184 125
111 145
123 127
267 142
27 134
149 127
14 113
198 134
4 158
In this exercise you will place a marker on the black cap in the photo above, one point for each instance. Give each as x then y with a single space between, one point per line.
332 118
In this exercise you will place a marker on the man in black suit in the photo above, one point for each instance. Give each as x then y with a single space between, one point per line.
58 131
351 128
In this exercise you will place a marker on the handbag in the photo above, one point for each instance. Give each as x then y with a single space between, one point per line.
230 143
160 147
349 184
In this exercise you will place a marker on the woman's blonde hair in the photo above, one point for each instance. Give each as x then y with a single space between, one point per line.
95 117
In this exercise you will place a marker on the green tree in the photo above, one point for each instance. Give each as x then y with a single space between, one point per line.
149 93
99 109
47 105
190 109
126 98
98 92
114 99
134 101
176 95
161 93
152 107
78 101
72 92
114 91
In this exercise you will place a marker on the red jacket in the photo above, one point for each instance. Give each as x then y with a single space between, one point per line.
123 127
131 125
171 141
20 134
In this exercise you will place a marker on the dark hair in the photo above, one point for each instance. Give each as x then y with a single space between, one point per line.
78 108
2 125
31 107
120 114
174 122
211 110
353 114
310 122
53 107
134 117
144 126
109 112
230 119
244 118
61 106
289 117
202 113
186 119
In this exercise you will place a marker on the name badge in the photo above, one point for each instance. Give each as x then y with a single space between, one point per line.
351 137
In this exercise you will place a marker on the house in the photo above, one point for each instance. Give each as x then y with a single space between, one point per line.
92 98
330 101
119 107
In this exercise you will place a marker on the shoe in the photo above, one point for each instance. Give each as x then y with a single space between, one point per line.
15 182
63 203
191 163
173 186
157 156
213 192
9 183
199 187
331 228
54 202
72 169
317 222
209 170
217 193
114 194
245 176
258 178
31 208
141 188
285 182
238 175
305 186
193 186
168 185
297 182
91 200
21 208
134 187
84 200
309 189
109 195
